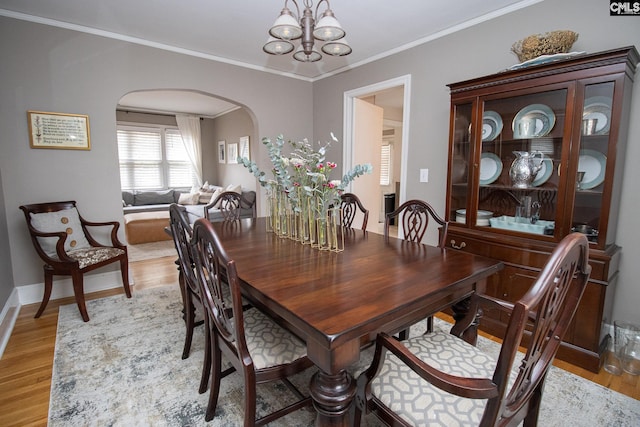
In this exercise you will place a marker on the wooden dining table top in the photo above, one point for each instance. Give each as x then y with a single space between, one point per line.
335 300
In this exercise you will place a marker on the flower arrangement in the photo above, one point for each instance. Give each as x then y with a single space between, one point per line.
303 179
305 169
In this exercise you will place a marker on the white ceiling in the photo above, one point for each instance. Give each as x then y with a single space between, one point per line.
234 31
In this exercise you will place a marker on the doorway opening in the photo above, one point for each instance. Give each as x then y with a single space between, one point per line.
378 116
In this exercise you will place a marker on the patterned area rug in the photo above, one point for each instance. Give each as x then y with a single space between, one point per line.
124 368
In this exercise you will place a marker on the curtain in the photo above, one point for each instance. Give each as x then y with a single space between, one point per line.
190 130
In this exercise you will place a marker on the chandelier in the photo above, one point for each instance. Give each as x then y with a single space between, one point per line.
290 27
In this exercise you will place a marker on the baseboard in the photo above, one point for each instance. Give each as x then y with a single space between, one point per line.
63 288
8 319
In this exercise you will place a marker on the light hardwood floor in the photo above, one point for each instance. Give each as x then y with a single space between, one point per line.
25 368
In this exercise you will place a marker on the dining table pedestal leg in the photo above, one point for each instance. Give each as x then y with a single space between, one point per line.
466 314
333 396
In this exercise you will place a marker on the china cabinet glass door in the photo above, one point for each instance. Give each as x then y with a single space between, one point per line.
520 156
592 162
461 146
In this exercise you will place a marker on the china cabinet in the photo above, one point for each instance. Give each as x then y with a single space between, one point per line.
534 154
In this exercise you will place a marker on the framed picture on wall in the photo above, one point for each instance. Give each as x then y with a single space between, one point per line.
244 147
222 151
59 130
232 153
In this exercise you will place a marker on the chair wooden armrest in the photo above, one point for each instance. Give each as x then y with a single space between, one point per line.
60 251
115 242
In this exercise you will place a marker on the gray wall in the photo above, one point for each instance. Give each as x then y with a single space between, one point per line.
52 69
6 273
481 50
230 128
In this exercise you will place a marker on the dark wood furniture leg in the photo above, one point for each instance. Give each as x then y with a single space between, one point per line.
124 272
48 285
333 397
78 291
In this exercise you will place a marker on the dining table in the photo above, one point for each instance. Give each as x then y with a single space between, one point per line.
337 302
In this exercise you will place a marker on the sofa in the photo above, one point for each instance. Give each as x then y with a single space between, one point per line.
146 213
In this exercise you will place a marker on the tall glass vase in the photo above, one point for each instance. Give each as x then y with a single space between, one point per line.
303 219
272 211
335 236
317 221
284 212
322 233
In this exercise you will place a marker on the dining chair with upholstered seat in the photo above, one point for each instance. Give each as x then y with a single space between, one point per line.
181 233
229 203
258 348
62 239
414 216
351 205
446 381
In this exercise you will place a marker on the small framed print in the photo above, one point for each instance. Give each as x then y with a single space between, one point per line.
232 153
222 152
58 130
244 147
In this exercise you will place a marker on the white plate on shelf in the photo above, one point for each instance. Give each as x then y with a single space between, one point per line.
594 165
599 108
490 168
482 217
491 125
544 173
540 115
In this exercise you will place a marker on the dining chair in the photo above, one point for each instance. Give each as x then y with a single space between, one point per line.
438 378
257 347
413 216
62 239
229 203
351 205
181 233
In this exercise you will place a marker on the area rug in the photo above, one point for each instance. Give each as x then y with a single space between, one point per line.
151 250
124 368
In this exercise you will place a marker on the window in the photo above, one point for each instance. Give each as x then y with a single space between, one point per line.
153 158
385 164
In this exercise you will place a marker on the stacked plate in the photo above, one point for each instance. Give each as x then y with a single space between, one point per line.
482 217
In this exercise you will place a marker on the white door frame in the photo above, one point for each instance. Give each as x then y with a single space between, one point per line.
348 137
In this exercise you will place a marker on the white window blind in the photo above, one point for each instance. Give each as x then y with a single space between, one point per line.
153 159
180 171
385 164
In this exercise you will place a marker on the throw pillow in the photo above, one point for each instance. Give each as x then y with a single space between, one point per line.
66 220
161 197
234 188
204 197
214 196
189 199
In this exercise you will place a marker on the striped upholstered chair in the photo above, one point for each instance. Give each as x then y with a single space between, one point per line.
438 379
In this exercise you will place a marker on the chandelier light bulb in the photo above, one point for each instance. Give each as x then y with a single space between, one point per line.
337 48
328 28
276 46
